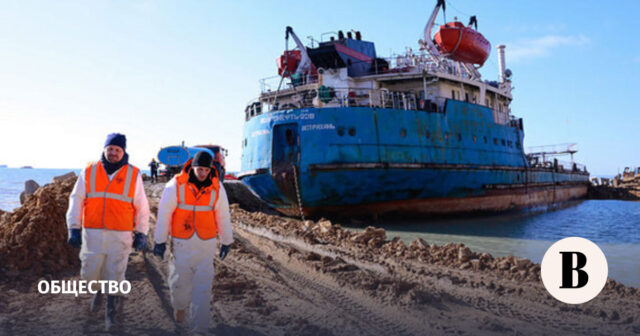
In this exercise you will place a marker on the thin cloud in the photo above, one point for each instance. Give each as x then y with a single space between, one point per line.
542 46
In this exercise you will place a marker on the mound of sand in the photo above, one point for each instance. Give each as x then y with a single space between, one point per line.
373 245
33 238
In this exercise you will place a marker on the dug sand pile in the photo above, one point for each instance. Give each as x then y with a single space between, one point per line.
33 238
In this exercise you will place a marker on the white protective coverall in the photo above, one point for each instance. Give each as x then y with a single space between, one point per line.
191 267
104 253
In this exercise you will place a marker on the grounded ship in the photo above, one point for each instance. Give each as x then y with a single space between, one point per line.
348 133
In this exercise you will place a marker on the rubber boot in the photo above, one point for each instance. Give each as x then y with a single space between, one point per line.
110 313
96 302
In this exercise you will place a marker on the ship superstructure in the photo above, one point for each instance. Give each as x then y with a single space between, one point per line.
343 131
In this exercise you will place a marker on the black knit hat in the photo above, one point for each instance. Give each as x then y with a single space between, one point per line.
202 159
116 139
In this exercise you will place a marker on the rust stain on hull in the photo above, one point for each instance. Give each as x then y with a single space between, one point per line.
493 201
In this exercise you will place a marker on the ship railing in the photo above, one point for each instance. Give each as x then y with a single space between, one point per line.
396 64
347 97
277 83
557 149
538 160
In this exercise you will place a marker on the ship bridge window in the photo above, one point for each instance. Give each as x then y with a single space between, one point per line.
466 97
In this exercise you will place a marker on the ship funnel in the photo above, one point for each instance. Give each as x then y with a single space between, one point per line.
501 62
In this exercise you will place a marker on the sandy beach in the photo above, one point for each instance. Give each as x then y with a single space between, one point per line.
287 277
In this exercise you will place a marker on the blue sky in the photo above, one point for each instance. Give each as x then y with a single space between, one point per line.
166 71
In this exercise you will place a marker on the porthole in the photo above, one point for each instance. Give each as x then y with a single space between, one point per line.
459 137
474 139
446 135
427 135
352 131
403 132
340 131
485 139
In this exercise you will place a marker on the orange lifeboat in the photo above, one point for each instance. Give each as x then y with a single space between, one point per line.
463 44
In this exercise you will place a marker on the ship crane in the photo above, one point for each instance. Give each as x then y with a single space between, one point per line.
304 67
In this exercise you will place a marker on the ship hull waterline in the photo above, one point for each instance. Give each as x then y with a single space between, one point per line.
516 201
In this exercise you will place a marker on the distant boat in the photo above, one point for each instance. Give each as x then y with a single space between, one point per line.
26 167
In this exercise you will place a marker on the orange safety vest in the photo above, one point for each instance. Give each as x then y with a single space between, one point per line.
194 212
109 204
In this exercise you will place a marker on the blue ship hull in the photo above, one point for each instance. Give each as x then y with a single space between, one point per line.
363 161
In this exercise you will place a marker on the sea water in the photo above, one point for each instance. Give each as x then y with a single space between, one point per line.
613 225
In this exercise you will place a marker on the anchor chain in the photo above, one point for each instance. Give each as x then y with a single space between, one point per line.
295 181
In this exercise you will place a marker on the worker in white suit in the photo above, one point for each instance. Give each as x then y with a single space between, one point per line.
194 211
108 214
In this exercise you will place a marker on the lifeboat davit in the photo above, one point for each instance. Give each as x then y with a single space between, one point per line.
288 61
463 44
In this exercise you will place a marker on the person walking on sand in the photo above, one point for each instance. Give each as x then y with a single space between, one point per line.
194 210
153 165
108 214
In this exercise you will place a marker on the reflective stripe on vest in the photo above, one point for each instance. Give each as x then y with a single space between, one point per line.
182 204
109 203
191 217
125 191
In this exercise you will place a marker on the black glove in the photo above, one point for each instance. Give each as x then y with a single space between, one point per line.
159 249
140 241
224 250
75 239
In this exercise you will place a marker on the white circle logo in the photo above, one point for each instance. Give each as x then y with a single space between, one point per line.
574 270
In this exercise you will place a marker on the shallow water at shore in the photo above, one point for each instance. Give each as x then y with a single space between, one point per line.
613 225
12 183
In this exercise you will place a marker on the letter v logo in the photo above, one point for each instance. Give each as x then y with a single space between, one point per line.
574 270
